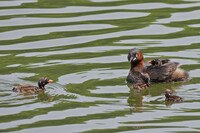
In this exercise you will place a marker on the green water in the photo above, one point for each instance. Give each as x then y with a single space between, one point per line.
83 45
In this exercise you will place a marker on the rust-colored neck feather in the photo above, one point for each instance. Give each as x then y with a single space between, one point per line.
138 64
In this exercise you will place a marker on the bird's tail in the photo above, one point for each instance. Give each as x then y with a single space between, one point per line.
180 75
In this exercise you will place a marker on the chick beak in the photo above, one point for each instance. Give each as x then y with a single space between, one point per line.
50 81
150 62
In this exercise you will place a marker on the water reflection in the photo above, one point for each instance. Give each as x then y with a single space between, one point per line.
135 100
44 97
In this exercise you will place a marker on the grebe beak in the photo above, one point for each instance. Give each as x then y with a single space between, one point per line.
131 59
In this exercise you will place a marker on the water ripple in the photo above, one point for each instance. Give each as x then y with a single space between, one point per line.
71 51
15 2
181 17
78 9
83 46
150 30
162 42
100 74
37 20
15 34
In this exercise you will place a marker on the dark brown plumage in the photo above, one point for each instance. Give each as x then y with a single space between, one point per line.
163 70
33 89
159 70
172 98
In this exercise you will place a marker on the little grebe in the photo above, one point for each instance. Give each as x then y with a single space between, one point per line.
136 75
158 62
172 98
158 70
33 89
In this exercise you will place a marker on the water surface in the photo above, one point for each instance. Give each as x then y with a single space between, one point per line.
82 45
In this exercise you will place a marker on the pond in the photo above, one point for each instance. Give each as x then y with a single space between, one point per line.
82 45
